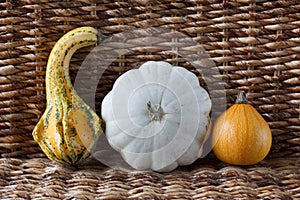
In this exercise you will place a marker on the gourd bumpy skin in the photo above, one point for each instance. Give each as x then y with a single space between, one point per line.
69 128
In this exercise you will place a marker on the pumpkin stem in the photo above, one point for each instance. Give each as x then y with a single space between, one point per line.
155 112
241 98
102 37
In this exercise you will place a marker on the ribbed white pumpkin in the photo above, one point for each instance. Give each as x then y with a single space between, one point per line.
157 116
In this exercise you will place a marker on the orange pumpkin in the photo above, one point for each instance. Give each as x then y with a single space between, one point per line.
241 136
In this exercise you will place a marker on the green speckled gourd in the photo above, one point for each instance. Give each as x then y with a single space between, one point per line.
69 128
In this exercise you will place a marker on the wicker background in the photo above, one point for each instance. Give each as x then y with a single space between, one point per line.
255 45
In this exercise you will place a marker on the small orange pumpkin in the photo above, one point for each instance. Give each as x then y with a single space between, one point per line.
241 135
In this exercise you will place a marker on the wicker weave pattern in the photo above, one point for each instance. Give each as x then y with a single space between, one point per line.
254 43
25 179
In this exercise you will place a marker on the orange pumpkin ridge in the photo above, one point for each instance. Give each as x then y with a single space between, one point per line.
241 136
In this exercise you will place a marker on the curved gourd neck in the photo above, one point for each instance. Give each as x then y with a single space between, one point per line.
58 80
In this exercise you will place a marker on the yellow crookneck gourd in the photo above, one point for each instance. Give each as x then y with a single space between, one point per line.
69 128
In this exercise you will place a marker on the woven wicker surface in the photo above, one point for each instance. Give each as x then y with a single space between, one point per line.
209 179
254 45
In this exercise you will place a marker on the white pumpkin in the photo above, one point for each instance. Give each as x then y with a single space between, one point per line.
157 116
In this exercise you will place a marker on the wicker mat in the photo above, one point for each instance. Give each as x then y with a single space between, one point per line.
41 179
254 45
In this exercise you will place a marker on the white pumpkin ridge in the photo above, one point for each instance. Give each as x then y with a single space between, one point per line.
142 117
167 134
122 127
